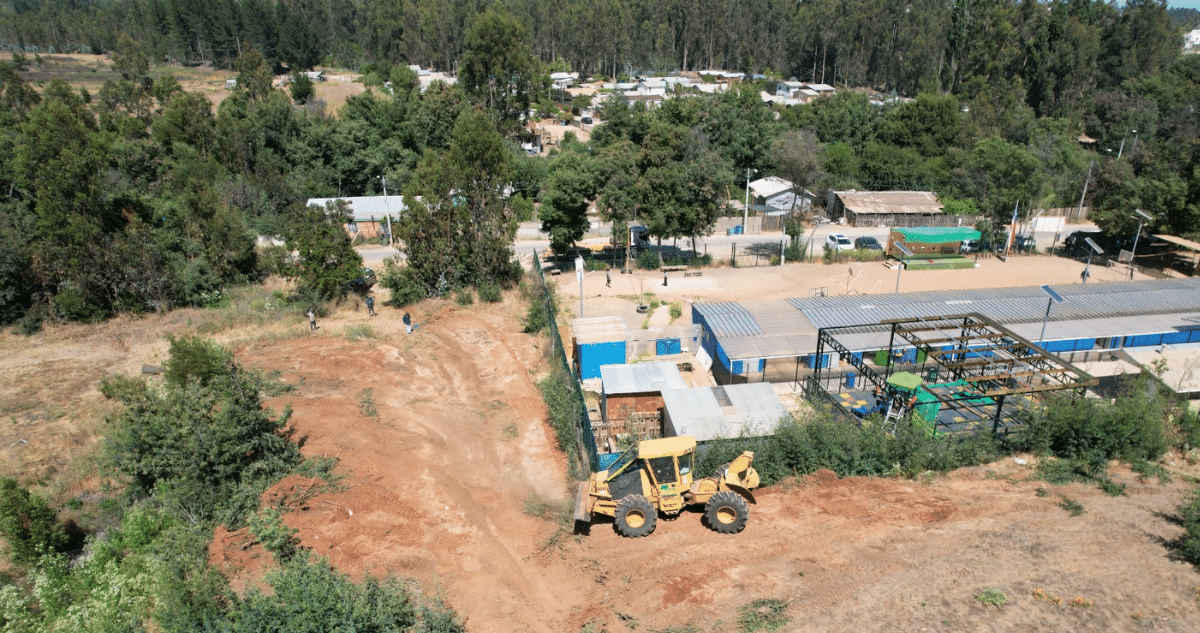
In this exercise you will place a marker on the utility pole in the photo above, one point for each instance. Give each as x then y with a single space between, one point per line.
746 210
1087 180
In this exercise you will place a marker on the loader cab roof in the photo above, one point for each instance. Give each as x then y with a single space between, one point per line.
666 446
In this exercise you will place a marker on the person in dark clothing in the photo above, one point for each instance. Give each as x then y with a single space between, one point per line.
664 276
408 323
371 305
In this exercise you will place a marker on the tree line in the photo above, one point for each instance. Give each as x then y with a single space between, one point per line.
1060 49
143 197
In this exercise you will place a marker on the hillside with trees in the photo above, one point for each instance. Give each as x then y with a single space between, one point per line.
142 197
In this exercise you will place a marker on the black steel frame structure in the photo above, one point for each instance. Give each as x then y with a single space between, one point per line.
974 368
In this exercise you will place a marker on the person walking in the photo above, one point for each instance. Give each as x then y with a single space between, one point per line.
312 321
664 276
408 323
608 277
370 305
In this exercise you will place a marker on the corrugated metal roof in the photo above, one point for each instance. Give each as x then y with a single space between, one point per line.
1009 305
640 378
366 207
1090 310
883 202
728 318
708 413
601 329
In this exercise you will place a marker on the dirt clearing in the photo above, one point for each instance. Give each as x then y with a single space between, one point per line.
446 459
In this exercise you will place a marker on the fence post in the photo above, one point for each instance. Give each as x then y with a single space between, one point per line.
733 255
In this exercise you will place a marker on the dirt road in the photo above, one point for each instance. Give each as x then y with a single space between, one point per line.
437 489
442 458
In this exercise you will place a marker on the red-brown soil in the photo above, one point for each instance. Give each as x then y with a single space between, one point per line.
436 488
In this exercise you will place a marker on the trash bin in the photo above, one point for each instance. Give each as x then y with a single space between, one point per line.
851 377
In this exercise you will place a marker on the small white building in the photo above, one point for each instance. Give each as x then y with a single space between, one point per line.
1191 41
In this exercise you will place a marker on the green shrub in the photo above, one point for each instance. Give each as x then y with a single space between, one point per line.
1187 546
1189 429
794 253
464 297
276 537
848 449
676 310
28 524
194 358
1095 431
541 299
1072 506
490 293
648 260
205 450
562 408
309 595
991 597
406 289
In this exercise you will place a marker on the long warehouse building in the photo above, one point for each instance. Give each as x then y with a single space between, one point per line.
763 340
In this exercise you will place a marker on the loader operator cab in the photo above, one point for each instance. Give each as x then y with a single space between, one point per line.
666 460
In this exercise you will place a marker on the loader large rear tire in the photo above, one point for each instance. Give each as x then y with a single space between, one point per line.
636 516
727 512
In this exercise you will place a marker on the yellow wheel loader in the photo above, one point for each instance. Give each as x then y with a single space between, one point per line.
656 476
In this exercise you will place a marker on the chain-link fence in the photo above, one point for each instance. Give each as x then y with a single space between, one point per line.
585 440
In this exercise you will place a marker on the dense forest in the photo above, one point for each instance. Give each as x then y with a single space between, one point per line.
1062 49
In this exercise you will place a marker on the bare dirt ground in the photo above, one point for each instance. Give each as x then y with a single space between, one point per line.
437 482
91 71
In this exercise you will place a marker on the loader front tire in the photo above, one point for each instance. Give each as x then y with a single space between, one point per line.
727 512
636 516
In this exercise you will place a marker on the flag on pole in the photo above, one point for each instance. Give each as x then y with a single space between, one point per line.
1012 229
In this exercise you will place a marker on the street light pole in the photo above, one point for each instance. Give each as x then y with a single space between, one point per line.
1133 253
1054 296
746 210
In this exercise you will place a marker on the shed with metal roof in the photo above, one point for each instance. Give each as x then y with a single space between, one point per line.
629 390
598 341
886 208
709 413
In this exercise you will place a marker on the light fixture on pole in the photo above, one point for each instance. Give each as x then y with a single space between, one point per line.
1094 249
1133 253
907 253
1054 298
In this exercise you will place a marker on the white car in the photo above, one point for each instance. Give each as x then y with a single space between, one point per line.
839 242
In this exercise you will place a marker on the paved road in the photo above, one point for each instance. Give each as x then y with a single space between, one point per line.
530 239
